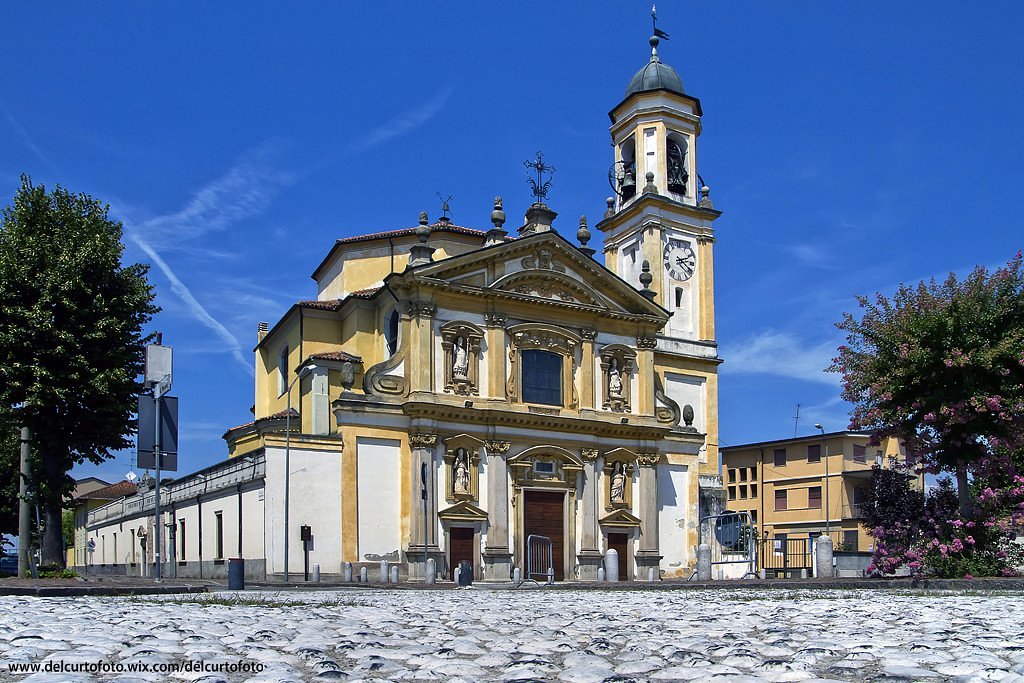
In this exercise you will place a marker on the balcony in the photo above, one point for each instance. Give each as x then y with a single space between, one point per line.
853 511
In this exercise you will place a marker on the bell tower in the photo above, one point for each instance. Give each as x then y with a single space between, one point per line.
661 212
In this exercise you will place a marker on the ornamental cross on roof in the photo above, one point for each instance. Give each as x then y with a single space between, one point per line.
444 207
539 187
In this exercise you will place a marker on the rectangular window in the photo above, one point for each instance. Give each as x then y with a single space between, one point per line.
753 490
544 467
781 500
860 453
732 476
814 453
860 496
133 546
220 535
814 497
743 474
732 493
850 541
541 377
181 540
282 371
753 474
743 490
753 516
780 457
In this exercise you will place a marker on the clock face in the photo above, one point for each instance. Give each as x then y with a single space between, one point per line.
680 260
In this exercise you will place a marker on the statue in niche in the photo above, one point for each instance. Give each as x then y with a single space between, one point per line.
614 380
461 474
460 364
618 484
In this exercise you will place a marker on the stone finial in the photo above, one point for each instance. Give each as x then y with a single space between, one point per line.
421 254
583 235
539 218
650 187
705 198
646 279
610 211
496 235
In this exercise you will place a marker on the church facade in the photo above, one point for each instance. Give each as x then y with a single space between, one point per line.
452 393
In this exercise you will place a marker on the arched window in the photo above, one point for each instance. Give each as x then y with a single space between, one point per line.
677 173
391 329
282 371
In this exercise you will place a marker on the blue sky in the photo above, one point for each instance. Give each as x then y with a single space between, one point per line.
851 147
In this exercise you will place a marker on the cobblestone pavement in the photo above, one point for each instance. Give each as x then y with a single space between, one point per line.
529 635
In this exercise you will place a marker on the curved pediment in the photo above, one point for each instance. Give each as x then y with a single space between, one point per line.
548 285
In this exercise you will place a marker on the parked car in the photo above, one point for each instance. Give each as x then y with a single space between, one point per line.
8 565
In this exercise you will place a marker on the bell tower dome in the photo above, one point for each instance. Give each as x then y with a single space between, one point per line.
660 211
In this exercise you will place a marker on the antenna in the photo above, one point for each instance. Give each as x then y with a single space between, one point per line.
796 420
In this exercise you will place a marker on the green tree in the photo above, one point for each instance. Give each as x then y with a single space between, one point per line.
941 366
71 339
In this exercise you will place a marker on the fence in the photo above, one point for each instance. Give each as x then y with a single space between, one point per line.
732 539
539 562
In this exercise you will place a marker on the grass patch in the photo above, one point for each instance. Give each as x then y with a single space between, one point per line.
264 600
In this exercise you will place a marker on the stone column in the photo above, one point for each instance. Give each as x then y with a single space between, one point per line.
590 553
495 355
422 445
649 555
497 556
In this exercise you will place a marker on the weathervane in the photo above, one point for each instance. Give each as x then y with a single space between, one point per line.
539 187
444 207
654 20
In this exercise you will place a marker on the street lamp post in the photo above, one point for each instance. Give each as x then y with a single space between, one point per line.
300 373
825 441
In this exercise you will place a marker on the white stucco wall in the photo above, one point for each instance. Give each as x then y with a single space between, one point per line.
684 389
378 468
673 516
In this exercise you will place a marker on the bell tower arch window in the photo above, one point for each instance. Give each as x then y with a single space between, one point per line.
677 149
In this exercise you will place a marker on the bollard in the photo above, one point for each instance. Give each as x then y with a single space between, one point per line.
551 575
517 576
316 573
704 562
803 573
455 575
346 572
600 574
394 574
611 565
823 557
383 571
650 574
762 574
431 571
363 578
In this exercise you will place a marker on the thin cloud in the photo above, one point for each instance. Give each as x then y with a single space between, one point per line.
783 355
27 139
404 123
196 308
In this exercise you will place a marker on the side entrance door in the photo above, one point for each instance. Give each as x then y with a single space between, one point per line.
618 542
544 516
460 547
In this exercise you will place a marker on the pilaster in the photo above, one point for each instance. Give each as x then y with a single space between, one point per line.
496 354
589 556
649 554
497 557
706 330
645 371
422 445
589 397
420 360
321 413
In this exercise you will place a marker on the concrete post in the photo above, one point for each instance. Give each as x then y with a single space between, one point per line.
383 571
431 571
363 577
600 575
704 562
316 573
346 572
394 574
611 565
517 576
823 556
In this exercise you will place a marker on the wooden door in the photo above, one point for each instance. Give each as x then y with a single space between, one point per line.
545 516
460 547
619 543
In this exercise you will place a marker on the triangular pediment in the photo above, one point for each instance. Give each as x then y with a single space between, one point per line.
542 267
463 511
619 518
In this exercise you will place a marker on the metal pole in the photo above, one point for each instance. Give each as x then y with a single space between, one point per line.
24 512
828 510
157 531
287 472
423 483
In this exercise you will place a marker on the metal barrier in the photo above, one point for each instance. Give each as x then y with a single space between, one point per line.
786 556
539 559
732 538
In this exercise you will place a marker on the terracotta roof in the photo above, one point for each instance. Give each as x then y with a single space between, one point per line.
121 489
365 293
336 355
279 415
325 305
402 232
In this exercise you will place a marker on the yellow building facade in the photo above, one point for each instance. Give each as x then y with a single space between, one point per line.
452 393
798 488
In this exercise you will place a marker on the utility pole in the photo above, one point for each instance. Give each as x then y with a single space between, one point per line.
158 376
24 512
